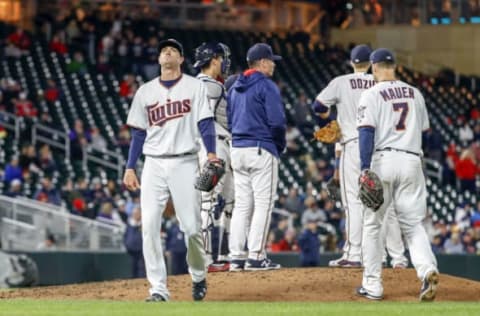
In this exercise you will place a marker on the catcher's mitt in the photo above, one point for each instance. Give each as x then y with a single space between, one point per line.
328 134
371 190
333 189
210 174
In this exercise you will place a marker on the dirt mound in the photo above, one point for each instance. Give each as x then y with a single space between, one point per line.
316 284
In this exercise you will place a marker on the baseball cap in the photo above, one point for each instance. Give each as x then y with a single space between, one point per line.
360 54
381 55
172 43
261 51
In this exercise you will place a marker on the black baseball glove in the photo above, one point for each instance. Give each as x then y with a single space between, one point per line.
371 190
333 189
211 173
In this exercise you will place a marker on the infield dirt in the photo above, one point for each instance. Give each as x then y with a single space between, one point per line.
312 284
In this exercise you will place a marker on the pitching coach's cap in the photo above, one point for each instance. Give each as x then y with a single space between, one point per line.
360 54
382 55
171 43
261 51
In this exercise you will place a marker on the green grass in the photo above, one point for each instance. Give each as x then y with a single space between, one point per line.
110 308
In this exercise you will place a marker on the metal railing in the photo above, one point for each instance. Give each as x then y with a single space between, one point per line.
11 122
25 224
433 169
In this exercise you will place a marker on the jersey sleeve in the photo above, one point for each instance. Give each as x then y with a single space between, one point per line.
329 95
137 116
425 121
202 104
366 111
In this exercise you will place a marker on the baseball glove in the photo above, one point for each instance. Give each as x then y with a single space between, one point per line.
328 134
211 173
333 189
371 190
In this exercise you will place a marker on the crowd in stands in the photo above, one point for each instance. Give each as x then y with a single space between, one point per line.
316 223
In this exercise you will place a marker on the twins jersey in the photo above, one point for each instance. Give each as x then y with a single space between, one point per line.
398 113
345 91
170 115
217 96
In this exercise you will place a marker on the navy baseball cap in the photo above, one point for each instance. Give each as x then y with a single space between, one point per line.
261 51
171 43
382 55
360 54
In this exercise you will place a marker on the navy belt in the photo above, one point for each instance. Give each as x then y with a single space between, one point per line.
400 150
173 156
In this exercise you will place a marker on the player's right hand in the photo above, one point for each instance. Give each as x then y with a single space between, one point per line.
130 180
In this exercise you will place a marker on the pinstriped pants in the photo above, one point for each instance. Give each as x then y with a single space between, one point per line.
255 174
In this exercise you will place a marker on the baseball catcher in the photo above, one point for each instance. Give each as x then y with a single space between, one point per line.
371 190
328 134
211 173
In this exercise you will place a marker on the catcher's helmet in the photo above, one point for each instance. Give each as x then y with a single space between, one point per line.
205 52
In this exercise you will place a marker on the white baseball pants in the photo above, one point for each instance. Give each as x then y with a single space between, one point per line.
162 177
255 174
404 186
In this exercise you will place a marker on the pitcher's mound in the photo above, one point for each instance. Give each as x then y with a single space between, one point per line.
313 284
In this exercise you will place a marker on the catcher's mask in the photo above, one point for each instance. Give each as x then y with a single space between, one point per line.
207 51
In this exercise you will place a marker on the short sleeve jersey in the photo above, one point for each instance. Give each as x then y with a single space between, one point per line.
170 116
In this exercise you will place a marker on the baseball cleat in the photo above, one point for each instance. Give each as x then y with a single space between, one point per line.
429 287
261 265
199 290
236 265
155 297
219 267
344 263
361 291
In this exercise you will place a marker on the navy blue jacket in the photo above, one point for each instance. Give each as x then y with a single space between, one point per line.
133 238
256 117
310 246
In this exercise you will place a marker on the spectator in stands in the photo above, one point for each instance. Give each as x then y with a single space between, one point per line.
291 137
103 66
475 216
13 171
150 57
462 216
466 170
465 133
77 64
176 249
121 210
334 215
123 140
97 142
79 138
48 191
45 161
125 88
303 117
476 133
453 245
46 119
52 92
79 207
133 243
468 241
133 202
24 107
287 243
28 159
437 244
432 141
313 212
136 49
449 176
57 45
109 215
309 245
20 39
294 203
15 188
121 57
49 243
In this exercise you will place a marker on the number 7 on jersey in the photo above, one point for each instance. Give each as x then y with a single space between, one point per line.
403 107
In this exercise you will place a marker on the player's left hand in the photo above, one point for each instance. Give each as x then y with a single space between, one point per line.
328 134
130 180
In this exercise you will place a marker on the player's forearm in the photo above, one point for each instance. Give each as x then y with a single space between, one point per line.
136 145
207 131
366 137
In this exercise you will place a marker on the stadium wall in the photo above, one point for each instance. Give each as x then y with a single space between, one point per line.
427 48
56 268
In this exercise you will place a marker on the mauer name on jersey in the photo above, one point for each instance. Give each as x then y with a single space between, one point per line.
361 83
397 93
158 114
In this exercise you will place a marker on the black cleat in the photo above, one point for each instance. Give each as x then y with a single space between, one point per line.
155 297
199 290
